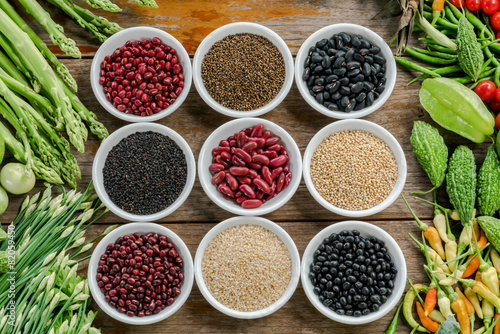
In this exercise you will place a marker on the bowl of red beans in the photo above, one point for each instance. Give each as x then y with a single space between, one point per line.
250 166
141 273
141 74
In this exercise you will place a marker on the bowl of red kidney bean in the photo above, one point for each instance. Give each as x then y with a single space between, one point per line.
141 273
345 71
250 166
141 74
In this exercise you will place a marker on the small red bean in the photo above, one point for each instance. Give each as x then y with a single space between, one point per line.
262 185
272 141
231 181
219 177
257 131
244 180
280 182
266 175
243 155
238 171
215 167
248 147
278 161
237 161
247 190
260 159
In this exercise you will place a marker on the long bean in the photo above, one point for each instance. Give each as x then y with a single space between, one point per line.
412 66
432 44
436 53
441 21
430 59
449 14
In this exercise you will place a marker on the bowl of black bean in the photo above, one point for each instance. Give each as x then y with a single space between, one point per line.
243 69
143 171
353 272
345 71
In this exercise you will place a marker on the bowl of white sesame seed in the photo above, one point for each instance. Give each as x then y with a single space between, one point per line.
354 168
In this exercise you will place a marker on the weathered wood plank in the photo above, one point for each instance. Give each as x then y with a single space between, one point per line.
190 21
296 316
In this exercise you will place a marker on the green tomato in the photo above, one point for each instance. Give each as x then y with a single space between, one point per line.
4 200
16 179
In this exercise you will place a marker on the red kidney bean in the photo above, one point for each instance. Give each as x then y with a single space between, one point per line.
255 167
237 161
215 167
280 182
262 185
248 147
251 203
272 140
278 161
260 159
219 177
243 155
244 180
266 175
231 181
247 190
257 131
238 171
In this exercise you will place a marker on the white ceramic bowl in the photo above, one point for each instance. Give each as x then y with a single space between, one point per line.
352 29
238 28
377 131
142 228
366 230
248 220
114 139
228 129
118 40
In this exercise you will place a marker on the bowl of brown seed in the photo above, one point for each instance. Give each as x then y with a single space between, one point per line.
354 168
243 69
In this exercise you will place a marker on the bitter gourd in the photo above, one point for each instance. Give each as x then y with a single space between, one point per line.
470 54
431 151
491 227
461 182
488 184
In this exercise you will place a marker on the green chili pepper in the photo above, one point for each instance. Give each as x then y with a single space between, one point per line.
412 66
457 108
431 44
408 305
449 14
429 59
394 323
467 79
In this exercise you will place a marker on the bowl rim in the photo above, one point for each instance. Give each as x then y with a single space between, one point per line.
364 228
253 28
123 36
370 35
275 229
355 124
270 206
124 132
142 227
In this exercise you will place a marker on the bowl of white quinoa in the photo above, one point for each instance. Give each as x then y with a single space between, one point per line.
247 267
354 168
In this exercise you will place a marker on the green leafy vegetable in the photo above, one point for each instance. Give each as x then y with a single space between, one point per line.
450 326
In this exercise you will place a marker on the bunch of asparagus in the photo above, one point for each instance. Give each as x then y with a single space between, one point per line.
39 104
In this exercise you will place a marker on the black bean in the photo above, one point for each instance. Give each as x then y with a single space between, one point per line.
344 90
353 73
359 58
339 62
322 53
344 81
351 105
360 105
328 71
335 97
319 81
346 37
369 59
331 78
355 41
322 43
379 59
365 43
306 74
353 64
367 70
326 62
357 314
349 55
339 42
310 81
326 96
364 52
331 52
307 62
318 88
312 49
374 50
316 58
368 85
318 69
358 87
340 71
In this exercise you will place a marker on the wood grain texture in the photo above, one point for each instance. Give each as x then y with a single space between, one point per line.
302 217
296 316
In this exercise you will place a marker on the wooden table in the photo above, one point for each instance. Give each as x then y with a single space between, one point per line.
302 217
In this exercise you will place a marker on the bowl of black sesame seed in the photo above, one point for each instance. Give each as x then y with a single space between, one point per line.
143 171
345 71
354 168
353 272
243 69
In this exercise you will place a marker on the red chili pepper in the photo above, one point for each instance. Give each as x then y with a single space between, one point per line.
430 301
